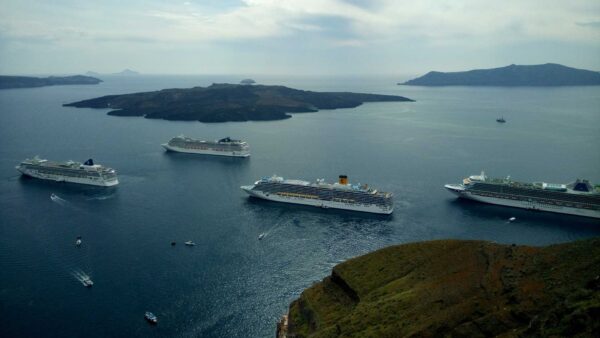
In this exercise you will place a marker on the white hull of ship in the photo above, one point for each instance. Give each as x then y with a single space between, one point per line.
207 151
371 208
97 181
529 205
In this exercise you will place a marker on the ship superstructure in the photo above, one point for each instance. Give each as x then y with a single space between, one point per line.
578 198
223 147
70 171
339 195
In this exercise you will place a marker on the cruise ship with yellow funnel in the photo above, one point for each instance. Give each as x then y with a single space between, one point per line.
339 195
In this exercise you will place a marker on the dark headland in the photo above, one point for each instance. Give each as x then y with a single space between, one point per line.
7 82
456 288
548 74
228 102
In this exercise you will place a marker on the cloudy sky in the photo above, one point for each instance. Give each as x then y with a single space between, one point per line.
287 37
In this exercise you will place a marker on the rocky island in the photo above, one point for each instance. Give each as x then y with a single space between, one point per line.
455 288
7 82
549 74
228 102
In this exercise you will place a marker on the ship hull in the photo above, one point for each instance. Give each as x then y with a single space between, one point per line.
243 153
460 191
96 181
318 203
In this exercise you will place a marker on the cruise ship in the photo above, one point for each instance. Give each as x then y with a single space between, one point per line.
74 172
339 195
578 198
223 147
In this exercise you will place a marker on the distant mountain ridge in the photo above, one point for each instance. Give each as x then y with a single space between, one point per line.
7 82
123 72
228 102
549 74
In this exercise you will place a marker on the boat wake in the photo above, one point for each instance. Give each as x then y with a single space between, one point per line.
57 199
81 276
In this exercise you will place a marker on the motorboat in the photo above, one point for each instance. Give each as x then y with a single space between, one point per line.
173 243
78 241
150 317
261 236
87 282
512 219
190 243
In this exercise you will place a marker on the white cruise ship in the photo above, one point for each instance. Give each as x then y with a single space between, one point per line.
340 195
73 172
579 198
223 147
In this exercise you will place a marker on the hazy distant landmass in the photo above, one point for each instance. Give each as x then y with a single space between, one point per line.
247 82
7 82
126 72
228 102
549 74
455 288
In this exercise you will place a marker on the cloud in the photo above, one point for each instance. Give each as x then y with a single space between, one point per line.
366 22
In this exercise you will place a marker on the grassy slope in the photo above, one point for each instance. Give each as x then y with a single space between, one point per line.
456 288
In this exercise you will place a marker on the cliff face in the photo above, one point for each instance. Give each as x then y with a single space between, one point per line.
227 102
514 75
456 288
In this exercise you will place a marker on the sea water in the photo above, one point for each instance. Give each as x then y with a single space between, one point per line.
231 284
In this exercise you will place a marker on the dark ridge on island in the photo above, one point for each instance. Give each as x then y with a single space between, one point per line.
7 82
228 102
549 74
455 288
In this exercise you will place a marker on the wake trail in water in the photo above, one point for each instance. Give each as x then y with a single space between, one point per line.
55 198
272 229
80 276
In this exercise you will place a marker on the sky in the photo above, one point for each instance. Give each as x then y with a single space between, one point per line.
294 37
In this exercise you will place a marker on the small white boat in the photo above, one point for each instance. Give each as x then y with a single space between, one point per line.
78 241
190 243
150 317
512 219
87 282
54 197
261 236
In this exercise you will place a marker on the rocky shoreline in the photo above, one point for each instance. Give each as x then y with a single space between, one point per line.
457 288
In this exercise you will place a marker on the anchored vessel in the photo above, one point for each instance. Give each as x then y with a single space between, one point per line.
340 195
223 147
578 198
74 172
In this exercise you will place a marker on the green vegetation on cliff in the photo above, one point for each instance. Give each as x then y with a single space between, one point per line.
458 289
7 82
228 102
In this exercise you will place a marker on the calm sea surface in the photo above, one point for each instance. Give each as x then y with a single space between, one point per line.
231 284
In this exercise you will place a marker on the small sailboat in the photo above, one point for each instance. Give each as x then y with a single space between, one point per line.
78 241
190 243
501 120
150 317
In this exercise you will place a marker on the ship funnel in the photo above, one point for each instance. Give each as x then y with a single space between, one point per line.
343 179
